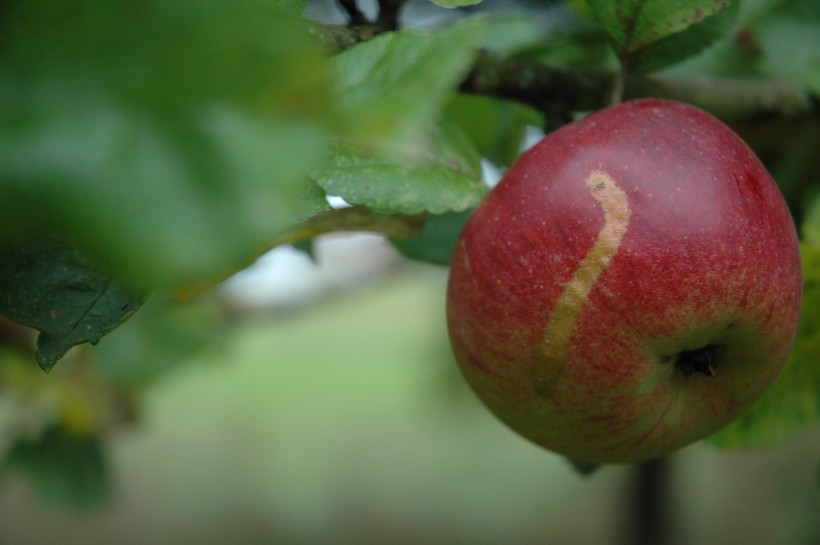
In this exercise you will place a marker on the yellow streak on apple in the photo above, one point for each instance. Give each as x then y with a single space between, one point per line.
558 333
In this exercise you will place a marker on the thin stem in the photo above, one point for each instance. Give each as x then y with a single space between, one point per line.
355 16
389 11
650 517
354 218
619 83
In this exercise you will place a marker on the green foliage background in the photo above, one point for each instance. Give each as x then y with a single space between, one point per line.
150 150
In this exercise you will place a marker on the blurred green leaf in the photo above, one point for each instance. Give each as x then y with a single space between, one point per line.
166 53
438 239
455 3
687 43
496 127
510 33
634 24
173 140
811 223
68 469
50 286
448 179
581 48
394 86
793 401
163 335
787 35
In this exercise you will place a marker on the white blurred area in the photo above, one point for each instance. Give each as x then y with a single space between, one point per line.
288 277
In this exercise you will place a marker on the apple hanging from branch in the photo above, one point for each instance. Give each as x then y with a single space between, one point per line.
631 285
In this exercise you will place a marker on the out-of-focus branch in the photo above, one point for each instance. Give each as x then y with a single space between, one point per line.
354 14
388 18
355 218
336 38
544 87
730 98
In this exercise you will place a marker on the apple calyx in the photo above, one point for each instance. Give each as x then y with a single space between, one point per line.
697 361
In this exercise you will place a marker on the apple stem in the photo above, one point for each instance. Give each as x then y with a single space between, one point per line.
616 93
650 518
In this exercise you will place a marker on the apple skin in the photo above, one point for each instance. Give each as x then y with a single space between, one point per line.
590 324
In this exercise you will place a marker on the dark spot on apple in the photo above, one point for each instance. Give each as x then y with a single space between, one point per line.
701 360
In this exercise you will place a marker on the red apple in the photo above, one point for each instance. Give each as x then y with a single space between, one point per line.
631 285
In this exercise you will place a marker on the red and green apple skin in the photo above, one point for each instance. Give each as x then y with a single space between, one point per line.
630 286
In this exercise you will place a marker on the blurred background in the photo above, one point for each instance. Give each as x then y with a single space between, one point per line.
344 420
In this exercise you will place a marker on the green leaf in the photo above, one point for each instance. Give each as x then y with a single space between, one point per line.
687 43
68 469
437 241
510 33
634 24
447 179
788 38
811 223
50 286
168 53
163 335
450 4
793 401
394 86
496 127
173 140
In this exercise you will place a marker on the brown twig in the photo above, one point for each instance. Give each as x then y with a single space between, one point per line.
543 86
355 16
389 14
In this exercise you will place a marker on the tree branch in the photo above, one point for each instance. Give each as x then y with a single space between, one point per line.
354 15
544 87
389 14
336 38
729 98
354 218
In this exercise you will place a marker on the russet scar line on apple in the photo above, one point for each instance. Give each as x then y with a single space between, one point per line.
558 333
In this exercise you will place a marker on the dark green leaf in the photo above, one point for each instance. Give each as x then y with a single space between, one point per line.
65 468
50 286
447 179
437 241
634 24
793 402
687 43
